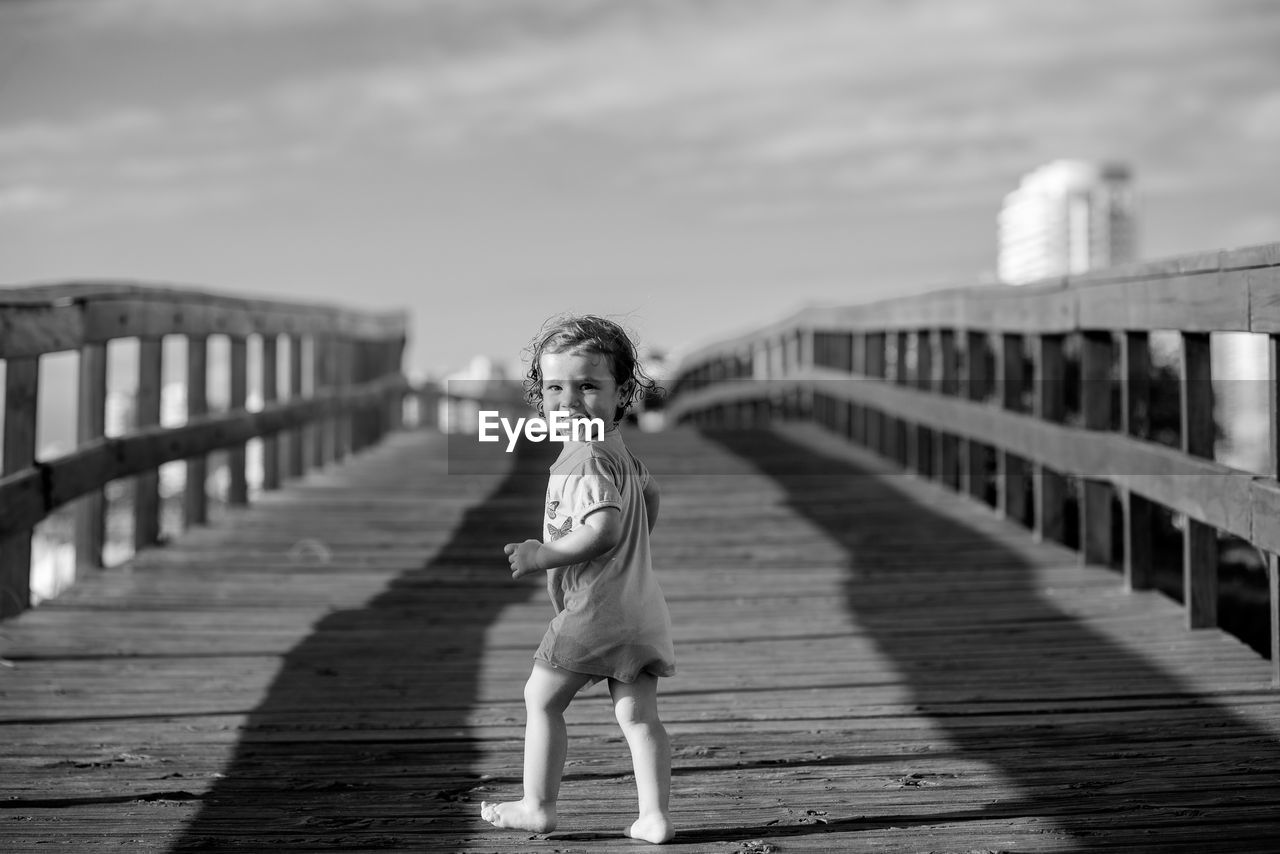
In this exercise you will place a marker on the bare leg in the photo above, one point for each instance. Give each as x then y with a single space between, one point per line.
546 696
636 707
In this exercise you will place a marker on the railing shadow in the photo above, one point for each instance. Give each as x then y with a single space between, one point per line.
362 740
1104 747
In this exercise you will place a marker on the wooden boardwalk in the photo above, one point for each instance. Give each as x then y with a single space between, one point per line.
867 663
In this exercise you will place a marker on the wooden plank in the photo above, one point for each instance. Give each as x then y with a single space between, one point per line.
948 451
33 330
149 317
1192 297
66 316
343 363
91 423
146 484
21 394
1049 406
1012 469
1135 396
297 438
220 695
1272 547
1216 494
322 445
270 393
236 461
1259 271
1215 291
975 386
1096 533
188 313
926 443
1200 548
899 430
25 500
874 367
1273 592
195 496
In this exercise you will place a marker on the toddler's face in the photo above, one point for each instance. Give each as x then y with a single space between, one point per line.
581 384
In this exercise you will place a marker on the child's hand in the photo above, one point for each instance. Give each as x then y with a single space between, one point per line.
523 557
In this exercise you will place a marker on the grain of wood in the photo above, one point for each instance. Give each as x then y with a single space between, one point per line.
866 663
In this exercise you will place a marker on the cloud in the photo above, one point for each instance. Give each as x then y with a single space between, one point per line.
1261 118
36 137
54 138
28 198
225 15
727 94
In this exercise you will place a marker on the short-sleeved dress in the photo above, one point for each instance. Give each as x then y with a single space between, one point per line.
611 618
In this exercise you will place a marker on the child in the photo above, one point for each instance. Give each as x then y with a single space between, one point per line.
611 619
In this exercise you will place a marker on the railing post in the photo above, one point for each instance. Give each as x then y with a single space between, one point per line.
1273 559
297 465
804 366
91 422
377 367
1135 375
874 363
325 360
926 460
146 486
195 500
976 381
1050 403
900 430
320 432
1096 356
1199 541
948 444
395 399
364 422
21 393
238 482
346 354
373 365
1012 469
858 367
270 393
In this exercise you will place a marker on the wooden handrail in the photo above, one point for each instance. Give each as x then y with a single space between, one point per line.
968 401
351 398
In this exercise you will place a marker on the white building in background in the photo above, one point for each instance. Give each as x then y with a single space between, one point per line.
1072 216
1068 216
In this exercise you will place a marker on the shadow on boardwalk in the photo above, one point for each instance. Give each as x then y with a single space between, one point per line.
363 734
362 741
1105 749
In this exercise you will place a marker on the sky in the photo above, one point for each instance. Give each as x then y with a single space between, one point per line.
691 167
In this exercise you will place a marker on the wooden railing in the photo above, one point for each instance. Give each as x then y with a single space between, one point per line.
1035 398
343 391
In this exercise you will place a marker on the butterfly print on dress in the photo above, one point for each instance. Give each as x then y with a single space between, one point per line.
556 533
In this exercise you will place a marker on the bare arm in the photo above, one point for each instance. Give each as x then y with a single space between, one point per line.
599 533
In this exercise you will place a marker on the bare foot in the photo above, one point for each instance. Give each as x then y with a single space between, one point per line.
517 815
654 828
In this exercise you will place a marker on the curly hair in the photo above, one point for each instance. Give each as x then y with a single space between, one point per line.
589 333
